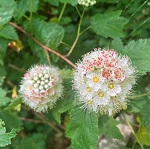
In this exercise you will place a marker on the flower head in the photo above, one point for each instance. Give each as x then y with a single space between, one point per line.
41 87
87 2
103 79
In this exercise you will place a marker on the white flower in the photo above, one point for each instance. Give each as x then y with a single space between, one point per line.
103 79
41 87
87 2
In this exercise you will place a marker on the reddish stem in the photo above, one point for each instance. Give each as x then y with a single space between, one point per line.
43 46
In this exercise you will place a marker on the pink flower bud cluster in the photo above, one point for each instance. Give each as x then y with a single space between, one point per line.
41 87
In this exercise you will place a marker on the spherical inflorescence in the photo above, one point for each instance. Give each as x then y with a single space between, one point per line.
87 2
41 87
103 79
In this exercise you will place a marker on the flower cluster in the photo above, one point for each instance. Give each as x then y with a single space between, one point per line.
103 79
87 2
41 87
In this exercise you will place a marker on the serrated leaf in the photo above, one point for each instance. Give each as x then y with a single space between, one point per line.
11 120
139 52
145 116
108 126
7 8
8 32
5 138
83 129
3 100
109 24
26 6
72 2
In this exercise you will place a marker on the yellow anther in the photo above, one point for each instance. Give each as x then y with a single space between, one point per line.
89 89
96 79
100 94
111 85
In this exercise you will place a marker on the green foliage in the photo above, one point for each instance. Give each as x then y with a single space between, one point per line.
107 126
7 9
3 100
83 128
22 8
145 119
107 24
5 138
139 52
61 26
8 32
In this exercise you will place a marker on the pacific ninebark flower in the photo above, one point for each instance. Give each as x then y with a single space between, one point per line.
103 79
87 2
41 87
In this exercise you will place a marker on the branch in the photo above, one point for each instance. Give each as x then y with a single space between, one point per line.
41 45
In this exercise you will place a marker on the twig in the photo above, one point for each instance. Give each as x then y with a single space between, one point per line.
30 120
43 46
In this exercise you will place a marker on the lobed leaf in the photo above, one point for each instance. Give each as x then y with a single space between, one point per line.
83 129
5 138
109 24
7 8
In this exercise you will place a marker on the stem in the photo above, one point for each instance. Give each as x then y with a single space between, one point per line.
138 96
85 30
43 46
16 68
23 14
134 134
78 11
138 9
66 44
62 11
78 34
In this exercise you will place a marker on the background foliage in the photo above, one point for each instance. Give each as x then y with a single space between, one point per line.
72 30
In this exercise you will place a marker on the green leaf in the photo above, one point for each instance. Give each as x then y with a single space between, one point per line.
83 129
49 34
7 8
143 136
11 120
139 52
68 101
8 32
117 44
109 24
72 2
5 138
108 1
3 100
145 116
107 126
28 6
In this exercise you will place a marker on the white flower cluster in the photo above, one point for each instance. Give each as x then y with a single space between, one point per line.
87 2
41 87
103 79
